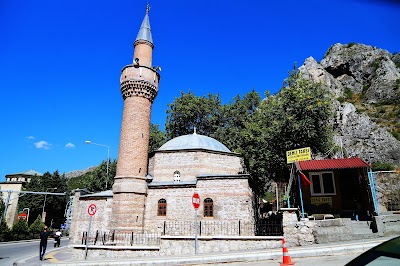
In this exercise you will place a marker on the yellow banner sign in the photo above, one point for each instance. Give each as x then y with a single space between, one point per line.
303 154
321 200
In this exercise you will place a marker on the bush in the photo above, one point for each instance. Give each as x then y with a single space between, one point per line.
20 230
379 166
341 99
36 227
348 93
4 232
351 44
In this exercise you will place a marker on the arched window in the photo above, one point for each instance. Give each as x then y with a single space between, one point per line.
162 207
177 176
208 207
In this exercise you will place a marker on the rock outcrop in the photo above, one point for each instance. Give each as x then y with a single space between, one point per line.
374 75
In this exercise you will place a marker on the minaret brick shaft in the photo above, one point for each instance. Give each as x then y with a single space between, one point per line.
139 87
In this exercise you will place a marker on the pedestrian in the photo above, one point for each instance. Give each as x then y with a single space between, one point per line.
43 242
57 238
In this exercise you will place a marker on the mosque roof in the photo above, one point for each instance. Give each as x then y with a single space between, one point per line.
194 141
29 172
145 30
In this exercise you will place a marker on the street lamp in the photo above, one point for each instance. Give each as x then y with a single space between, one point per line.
108 155
44 204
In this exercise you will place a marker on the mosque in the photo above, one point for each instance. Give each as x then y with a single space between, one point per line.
152 189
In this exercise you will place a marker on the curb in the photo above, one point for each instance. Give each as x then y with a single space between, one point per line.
254 256
50 256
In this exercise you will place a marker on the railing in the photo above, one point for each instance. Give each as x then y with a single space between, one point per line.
266 227
113 238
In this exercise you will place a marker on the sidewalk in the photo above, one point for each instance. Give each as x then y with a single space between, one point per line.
63 256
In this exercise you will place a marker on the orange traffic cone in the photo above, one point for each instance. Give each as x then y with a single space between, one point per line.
286 257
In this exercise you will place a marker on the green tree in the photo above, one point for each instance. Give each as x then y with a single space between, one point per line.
4 231
95 180
157 138
36 227
2 206
234 117
54 206
298 116
20 230
260 130
189 111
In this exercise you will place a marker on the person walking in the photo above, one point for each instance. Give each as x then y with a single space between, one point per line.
43 242
57 238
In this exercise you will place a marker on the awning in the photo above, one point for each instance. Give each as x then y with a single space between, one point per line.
330 164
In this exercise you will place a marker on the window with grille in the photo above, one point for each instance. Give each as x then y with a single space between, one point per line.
177 176
323 183
162 207
208 207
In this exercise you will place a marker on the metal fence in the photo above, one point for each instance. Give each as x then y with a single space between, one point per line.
385 189
265 227
120 238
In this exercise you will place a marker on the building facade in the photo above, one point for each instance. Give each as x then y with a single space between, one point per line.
10 192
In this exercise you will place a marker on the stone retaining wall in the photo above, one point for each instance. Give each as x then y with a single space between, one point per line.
388 225
172 246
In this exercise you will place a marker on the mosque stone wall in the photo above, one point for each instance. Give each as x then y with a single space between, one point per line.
191 164
232 201
80 217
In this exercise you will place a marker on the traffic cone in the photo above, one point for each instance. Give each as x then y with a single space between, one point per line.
286 257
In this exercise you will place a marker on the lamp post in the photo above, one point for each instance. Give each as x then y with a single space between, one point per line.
44 204
108 156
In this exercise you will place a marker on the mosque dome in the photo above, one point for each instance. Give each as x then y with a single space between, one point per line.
194 141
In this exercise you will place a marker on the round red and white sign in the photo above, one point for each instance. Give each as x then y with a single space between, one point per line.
196 200
92 209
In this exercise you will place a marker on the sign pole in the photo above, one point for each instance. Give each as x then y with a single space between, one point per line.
196 243
301 197
87 237
196 205
91 211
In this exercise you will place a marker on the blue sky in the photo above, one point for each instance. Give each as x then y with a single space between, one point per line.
61 61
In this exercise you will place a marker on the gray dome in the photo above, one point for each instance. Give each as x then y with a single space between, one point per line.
194 141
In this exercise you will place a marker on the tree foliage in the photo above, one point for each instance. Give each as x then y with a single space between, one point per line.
95 180
157 138
297 117
37 226
189 111
20 230
4 231
54 205
260 130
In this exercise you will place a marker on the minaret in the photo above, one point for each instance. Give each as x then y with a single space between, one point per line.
139 87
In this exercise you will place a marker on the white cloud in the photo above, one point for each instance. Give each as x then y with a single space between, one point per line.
30 137
69 145
42 145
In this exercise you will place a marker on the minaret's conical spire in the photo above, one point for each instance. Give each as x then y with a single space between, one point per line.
145 30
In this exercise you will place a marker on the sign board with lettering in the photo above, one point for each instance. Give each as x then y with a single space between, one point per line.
321 200
303 154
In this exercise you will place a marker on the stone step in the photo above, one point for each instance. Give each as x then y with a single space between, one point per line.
361 227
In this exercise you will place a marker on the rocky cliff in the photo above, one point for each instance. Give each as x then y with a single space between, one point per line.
365 84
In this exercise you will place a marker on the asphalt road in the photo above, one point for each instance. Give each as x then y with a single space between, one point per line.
16 250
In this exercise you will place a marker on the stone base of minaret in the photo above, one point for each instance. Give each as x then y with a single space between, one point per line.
128 204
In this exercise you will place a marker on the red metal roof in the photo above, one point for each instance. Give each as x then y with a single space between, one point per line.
331 164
